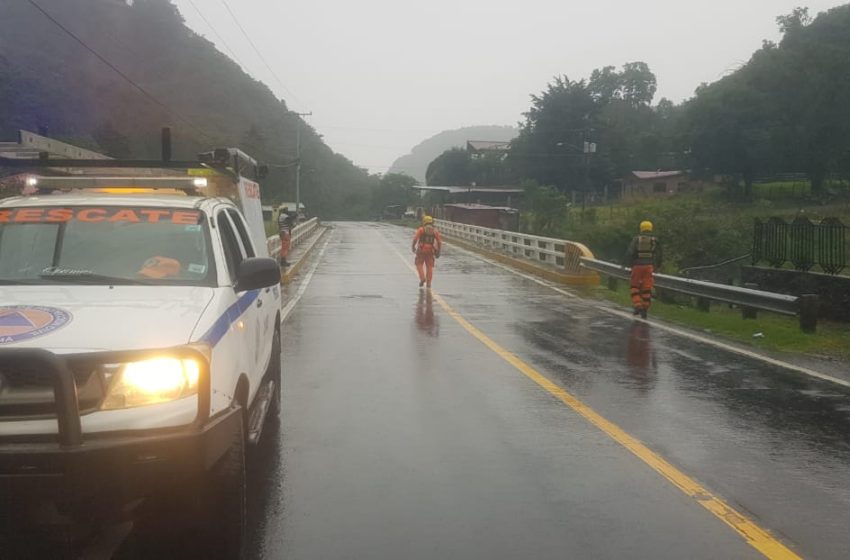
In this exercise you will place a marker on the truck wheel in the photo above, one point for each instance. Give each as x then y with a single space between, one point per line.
198 517
274 373
223 495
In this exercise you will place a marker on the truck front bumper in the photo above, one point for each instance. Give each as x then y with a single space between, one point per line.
121 467
71 465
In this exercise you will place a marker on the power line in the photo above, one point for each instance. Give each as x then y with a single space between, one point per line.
129 80
215 31
259 54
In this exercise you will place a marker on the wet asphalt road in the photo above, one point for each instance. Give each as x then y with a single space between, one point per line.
405 437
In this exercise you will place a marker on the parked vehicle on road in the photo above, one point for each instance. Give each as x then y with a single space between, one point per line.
139 351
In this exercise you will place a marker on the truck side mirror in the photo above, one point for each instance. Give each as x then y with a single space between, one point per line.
256 273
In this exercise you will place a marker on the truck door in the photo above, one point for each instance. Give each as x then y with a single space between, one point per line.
246 327
266 303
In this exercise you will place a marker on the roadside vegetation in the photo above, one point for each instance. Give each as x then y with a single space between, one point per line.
695 229
769 332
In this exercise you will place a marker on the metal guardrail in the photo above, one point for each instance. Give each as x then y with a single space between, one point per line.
747 298
299 233
558 253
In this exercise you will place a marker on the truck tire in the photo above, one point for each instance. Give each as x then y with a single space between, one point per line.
196 517
274 374
223 495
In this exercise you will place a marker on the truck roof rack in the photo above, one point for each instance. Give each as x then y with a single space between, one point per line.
227 161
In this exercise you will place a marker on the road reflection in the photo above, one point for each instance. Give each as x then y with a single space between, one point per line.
426 321
640 357
264 499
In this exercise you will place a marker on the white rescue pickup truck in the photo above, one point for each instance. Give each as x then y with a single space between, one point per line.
139 352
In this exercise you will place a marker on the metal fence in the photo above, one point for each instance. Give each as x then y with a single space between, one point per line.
558 253
802 243
299 233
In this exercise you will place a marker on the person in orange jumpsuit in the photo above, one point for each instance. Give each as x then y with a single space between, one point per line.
644 254
284 227
426 246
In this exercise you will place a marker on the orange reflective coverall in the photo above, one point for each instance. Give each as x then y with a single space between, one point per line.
426 245
285 244
644 255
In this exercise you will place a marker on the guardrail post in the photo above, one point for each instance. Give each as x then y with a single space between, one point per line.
703 304
749 312
665 296
809 304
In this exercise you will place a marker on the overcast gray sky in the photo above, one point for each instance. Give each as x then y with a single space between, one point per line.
382 75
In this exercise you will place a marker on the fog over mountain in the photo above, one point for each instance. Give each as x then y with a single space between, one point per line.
416 162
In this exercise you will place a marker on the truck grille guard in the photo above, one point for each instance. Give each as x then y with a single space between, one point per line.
61 373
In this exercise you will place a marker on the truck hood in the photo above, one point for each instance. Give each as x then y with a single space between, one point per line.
72 319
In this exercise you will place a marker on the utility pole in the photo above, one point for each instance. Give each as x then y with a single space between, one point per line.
298 160
588 149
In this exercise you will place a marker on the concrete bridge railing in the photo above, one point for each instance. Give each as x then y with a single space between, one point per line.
560 255
299 233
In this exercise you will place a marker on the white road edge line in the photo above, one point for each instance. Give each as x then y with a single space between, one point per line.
305 282
668 328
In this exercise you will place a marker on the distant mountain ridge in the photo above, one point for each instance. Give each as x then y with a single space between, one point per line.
416 162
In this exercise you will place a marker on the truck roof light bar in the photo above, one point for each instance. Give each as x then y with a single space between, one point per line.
178 183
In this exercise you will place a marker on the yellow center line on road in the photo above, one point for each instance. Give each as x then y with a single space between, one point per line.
757 537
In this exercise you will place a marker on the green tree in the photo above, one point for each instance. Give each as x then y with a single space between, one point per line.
638 84
727 131
546 207
795 21
612 110
787 109
451 168
393 189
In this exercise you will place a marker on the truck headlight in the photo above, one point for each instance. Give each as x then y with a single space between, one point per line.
152 381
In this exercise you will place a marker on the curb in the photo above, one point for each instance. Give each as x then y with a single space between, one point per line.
292 270
548 274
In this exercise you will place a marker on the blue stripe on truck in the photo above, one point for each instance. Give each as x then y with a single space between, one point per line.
216 332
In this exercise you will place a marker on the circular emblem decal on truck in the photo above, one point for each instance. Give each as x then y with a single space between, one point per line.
24 322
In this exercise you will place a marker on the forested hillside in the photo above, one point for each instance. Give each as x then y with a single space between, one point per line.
49 79
416 162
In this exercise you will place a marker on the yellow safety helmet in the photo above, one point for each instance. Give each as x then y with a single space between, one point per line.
427 220
645 226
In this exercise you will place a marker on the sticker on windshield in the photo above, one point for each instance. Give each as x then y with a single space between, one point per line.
195 227
105 214
197 269
24 322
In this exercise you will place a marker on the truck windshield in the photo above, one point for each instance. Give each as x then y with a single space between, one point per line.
104 245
